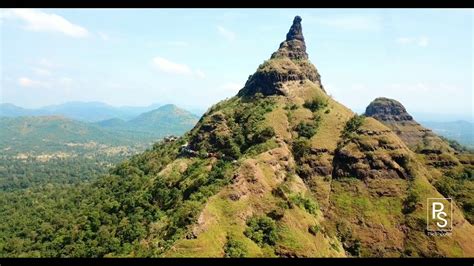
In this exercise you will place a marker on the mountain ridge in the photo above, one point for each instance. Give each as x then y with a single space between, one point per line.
85 111
24 131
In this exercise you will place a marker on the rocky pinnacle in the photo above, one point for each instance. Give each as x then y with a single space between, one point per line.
296 32
294 46
289 63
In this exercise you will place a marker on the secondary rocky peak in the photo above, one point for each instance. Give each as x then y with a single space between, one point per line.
421 140
294 46
385 109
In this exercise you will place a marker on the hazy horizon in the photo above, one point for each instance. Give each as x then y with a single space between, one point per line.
421 116
422 58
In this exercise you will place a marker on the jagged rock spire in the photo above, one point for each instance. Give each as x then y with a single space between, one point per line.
288 64
296 31
294 46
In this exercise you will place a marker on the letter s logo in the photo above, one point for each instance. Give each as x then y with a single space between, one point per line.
438 213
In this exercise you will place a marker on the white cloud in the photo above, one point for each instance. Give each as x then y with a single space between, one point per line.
421 41
3 15
47 63
227 34
348 22
167 66
44 67
27 82
200 74
103 36
41 71
171 67
40 21
46 80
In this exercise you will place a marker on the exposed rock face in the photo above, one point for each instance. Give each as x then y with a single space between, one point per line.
384 109
294 46
296 32
289 63
394 115
373 154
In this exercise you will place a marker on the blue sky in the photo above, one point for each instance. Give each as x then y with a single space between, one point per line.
196 57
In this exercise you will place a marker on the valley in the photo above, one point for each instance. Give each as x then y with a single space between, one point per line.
40 150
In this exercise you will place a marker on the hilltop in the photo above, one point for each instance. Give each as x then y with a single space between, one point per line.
165 120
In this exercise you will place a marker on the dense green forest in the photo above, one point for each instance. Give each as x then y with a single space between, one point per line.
109 215
45 165
43 199
19 174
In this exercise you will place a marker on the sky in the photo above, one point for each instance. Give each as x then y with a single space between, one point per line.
197 57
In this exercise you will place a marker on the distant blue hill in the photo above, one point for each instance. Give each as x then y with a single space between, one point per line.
461 131
52 133
91 121
84 111
167 120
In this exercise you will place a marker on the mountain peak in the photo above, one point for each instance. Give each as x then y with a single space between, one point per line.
289 64
385 109
294 46
168 106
